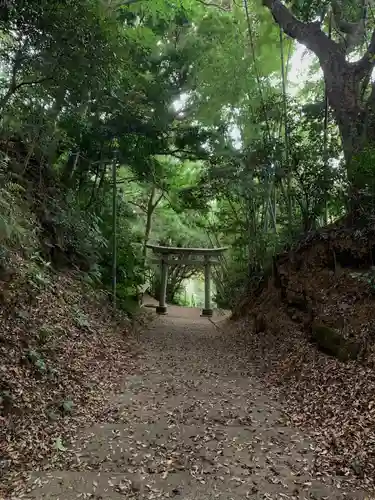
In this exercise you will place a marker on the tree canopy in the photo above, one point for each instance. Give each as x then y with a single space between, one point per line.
176 120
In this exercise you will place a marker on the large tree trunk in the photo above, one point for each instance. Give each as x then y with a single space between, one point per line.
346 86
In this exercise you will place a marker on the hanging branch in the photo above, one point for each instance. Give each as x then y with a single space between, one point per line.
216 5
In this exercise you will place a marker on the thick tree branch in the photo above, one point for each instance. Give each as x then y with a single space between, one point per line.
182 154
138 205
212 4
286 20
367 62
344 26
157 201
14 87
33 82
130 2
308 34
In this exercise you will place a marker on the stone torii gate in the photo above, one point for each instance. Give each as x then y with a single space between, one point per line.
204 257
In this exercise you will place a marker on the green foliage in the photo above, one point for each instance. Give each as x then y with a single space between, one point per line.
18 226
363 171
44 334
67 406
185 100
37 360
180 300
367 277
37 272
70 223
127 302
59 445
81 319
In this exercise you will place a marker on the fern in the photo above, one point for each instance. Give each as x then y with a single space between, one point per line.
18 228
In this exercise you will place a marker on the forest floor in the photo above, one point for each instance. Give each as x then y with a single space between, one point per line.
191 422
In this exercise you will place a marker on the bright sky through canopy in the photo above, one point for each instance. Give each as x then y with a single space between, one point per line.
298 73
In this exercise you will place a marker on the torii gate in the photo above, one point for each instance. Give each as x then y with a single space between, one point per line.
201 256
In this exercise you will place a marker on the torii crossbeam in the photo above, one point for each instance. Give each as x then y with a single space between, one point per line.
194 256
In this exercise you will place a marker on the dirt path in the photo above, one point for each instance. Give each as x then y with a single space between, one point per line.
191 424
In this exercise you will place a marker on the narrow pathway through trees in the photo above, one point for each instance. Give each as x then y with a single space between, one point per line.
191 424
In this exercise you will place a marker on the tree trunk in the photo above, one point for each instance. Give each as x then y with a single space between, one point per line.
151 206
150 211
114 234
345 87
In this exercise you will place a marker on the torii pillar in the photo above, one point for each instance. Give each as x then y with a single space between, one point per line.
162 307
207 311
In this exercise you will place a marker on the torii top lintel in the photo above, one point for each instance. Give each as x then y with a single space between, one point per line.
186 251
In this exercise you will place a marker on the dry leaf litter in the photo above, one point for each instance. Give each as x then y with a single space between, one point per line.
190 417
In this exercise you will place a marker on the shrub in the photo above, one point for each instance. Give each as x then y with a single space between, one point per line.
72 234
18 226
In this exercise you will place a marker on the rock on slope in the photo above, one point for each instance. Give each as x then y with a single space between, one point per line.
61 357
